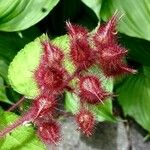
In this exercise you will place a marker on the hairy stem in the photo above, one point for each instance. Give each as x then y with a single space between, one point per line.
28 117
16 104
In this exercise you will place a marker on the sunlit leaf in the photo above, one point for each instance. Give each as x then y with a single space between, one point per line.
10 44
21 70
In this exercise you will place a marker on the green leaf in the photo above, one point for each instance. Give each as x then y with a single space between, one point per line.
135 21
16 15
104 112
72 103
22 138
134 97
10 43
95 5
3 97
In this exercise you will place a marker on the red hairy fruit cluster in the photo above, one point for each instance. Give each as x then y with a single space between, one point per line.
86 49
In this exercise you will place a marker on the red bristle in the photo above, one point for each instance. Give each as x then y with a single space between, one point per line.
45 104
86 121
106 33
50 74
91 90
111 60
51 78
52 54
49 132
81 52
76 30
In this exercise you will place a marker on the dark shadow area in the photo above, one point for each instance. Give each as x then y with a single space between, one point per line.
74 11
139 50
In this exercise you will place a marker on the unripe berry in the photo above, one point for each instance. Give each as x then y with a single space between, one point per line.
86 121
91 90
49 132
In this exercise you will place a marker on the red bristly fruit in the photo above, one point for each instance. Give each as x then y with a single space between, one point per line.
50 74
106 34
49 132
91 90
110 54
51 78
81 52
45 105
52 54
111 61
86 121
